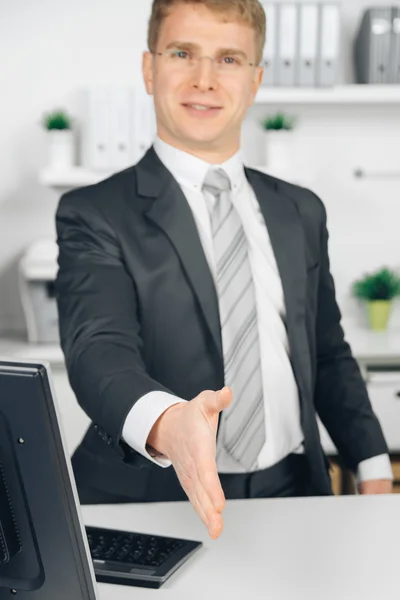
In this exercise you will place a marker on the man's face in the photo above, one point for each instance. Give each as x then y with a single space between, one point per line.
182 88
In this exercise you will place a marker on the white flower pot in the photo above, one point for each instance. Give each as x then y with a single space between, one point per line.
61 148
278 150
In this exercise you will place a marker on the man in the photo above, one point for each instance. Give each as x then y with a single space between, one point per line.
188 272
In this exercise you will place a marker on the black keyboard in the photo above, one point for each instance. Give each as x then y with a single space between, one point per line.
132 558
134 548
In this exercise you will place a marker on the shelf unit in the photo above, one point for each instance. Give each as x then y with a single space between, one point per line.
79 177
70 178
356 94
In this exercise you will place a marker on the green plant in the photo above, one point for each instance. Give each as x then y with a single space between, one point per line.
57 119
278 121
383 284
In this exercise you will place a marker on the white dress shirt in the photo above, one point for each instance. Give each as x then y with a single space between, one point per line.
283 433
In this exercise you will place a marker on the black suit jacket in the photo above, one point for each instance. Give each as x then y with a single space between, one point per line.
138 313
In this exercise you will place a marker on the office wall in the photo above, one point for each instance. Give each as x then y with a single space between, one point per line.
49 48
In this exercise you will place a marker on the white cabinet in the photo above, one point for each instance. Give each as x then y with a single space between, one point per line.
384 392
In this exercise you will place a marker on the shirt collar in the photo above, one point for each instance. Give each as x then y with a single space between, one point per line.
190 170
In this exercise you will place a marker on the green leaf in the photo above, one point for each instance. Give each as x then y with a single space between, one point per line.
383 284
278 121
57 119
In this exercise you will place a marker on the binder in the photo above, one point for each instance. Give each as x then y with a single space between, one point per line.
287 43
381 30
394 75
308 45
96 129
122 129
270 50
372 46
328 51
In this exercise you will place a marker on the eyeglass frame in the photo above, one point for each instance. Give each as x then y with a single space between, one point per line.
168 54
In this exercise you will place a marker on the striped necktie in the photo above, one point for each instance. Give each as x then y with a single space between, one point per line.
242 427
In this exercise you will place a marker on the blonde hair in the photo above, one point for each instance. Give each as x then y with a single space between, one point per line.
250 12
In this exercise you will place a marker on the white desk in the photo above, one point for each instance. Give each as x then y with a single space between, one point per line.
344 548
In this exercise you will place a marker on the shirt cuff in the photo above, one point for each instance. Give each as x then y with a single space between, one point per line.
377 467
141 419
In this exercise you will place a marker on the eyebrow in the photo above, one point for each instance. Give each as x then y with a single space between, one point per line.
220 51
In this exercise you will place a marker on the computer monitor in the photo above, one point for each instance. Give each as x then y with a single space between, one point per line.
44 552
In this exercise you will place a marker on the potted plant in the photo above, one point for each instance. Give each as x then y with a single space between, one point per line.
378 289
61 143
278 140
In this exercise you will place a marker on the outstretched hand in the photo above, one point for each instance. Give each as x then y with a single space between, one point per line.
186 434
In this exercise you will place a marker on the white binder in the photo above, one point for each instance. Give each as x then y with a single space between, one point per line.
95 129
287 43
122 127
329 42
308 45
270 50
395 47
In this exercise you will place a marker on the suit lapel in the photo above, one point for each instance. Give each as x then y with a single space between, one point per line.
287 238
170 211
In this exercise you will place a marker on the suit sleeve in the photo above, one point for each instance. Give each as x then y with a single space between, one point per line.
341 396
99 317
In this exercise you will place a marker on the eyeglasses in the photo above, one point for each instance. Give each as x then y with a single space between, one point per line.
183 60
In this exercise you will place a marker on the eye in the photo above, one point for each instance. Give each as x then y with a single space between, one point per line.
230 61
180 54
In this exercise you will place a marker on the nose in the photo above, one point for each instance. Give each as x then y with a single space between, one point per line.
204 78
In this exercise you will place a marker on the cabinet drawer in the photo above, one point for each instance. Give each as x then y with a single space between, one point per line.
384 392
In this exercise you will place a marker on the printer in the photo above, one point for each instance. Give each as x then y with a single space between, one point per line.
37 272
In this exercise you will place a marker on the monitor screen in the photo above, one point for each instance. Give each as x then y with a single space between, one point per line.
44 553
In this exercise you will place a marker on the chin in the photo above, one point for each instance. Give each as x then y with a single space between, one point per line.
203 139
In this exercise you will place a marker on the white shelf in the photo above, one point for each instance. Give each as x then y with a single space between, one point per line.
22 350
78 177
345 94
70 178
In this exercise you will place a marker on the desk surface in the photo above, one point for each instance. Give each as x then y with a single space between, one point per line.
331 548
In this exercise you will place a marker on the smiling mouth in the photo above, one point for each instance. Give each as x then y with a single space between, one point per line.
201 107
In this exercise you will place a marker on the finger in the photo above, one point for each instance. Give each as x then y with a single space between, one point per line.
215 522
215 402
195 501
214 519
190 491
201 502
204 507
208 477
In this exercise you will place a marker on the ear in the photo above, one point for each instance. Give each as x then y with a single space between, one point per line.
147 70
257 79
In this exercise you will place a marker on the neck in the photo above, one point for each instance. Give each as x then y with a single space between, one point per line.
212 156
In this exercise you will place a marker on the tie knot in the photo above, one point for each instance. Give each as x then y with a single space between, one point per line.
216 182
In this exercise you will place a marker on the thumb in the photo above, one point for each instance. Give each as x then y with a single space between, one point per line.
219 400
